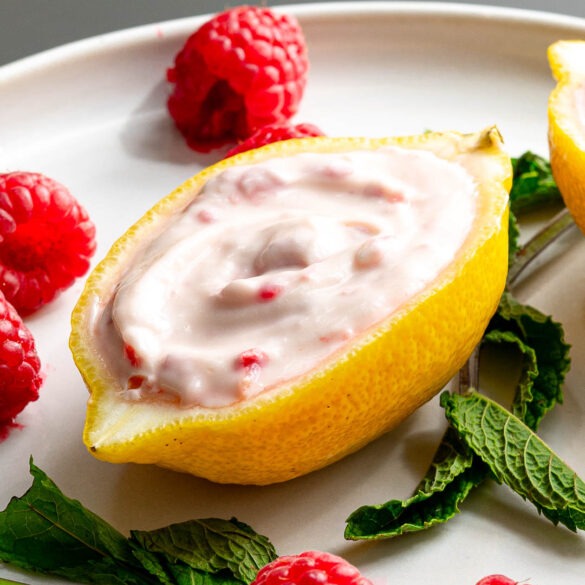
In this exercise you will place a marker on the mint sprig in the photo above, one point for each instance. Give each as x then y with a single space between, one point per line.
539 343
545 354
533 185
517 457
455 470
48 533
453 474
210 546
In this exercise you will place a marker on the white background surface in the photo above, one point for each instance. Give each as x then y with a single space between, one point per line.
100 127
30 26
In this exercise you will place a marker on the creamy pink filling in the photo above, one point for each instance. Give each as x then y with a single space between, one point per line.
275 267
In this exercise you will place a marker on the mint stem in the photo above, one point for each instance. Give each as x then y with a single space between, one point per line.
469 373
557 226
549 233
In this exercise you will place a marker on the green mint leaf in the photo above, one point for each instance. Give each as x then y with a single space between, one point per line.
545 337
517 457
452 459
185 575
453 473
533 185
171 571
48 533
212 546
529 370
158 568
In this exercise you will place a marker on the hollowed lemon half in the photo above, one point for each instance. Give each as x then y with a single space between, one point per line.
366 388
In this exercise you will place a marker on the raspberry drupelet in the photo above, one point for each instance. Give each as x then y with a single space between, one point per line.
242 70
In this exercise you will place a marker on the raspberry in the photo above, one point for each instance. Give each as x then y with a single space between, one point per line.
275 133
496 580
243 69
46 239
20 377
310 568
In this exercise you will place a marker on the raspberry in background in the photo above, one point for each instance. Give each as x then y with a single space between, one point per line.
242 70
310 568
20 377
275 133
497 580
46 239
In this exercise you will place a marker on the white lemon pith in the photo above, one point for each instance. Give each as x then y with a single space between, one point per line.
376 381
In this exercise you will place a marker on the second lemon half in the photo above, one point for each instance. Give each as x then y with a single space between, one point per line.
566 124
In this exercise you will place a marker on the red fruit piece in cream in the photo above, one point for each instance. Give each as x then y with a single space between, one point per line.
251 357
268 292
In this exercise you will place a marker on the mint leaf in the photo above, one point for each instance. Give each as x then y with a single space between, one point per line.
452 475
529 371
156 567
546 338
185 575
211 545
517 457
533 184
533 187
48 533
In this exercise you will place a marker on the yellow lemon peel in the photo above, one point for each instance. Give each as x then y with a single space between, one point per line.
338 408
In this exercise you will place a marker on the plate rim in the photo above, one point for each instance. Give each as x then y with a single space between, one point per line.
128 37
134 37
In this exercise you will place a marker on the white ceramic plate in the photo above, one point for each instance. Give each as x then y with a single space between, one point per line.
92 115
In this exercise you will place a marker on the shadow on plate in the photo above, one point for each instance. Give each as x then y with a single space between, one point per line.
150 134
149 497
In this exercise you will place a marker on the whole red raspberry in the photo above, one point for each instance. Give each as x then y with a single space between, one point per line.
310 568
496 580
243 69
20 377
275 133
46 239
